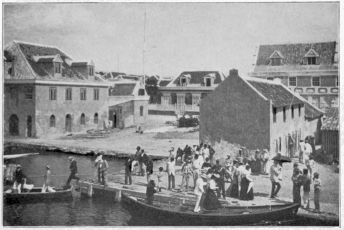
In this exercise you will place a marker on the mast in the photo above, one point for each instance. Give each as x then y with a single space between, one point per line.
144 46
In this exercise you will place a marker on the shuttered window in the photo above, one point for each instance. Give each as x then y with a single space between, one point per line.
83 94
52 93
69 94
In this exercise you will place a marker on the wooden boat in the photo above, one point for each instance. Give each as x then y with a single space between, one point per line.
35 195
167 214
12 156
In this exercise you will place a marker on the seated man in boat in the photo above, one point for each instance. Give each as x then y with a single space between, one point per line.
211 202
150 192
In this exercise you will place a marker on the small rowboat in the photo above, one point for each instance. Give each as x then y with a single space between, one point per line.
168 214
35 195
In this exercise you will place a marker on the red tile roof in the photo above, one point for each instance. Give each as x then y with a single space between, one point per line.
332 119
197 77
277 93
123 89
294 53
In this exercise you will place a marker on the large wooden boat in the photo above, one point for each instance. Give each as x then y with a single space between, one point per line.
171 214
35 195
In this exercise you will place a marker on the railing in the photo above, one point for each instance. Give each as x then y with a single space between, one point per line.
174 107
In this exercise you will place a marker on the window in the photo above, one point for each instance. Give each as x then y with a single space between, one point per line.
52 121
208 82
58 67
274 114
315 81
292 81
83 94
188 99
52 93
82 119
280 144
95 94
284 114
141 92
276 61
90 71
292 112
270 78
337 83
29 93
183 81
299 110
141 111
311 60
96 118
69 94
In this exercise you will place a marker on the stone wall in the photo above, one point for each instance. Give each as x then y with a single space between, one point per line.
234 115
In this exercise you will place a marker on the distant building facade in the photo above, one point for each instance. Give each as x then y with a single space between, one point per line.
183 94
253 113
310 69
47 92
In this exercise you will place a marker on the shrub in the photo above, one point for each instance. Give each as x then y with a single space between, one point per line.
188 122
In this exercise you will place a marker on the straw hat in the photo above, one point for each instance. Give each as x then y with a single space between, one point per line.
48 166
70 158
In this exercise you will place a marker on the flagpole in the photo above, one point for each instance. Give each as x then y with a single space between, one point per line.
144 46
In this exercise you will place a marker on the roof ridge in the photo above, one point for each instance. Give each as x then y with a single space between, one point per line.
262 80
299 43
253 87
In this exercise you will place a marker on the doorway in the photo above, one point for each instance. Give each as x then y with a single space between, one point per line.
114 120
68 123
29 126
14 125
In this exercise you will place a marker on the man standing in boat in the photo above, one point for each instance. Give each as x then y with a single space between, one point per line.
199 191
73 171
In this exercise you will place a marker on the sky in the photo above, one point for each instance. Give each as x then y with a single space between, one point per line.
178 36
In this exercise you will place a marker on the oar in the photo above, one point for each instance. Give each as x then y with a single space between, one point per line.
60 175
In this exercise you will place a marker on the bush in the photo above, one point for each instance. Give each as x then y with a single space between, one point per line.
188 122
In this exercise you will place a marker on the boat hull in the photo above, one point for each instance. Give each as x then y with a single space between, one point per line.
36 196
157 216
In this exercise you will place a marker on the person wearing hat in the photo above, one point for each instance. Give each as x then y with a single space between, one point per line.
233 189
220 171
19 177
297 182
240 172
150 192
143 159
206 165
196 168
73 171
187 173
275 172
229 167
211 201
256 166
317 191
160 175
265 159
47 181
128 164
99 156
199 191
137 157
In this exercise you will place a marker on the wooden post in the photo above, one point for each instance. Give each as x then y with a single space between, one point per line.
90 190
118 195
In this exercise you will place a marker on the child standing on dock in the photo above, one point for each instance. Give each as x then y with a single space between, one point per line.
317 190
160 175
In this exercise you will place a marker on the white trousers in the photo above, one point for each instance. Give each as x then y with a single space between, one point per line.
197 206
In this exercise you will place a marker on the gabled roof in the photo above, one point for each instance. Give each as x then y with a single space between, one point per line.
294 53
111 75
36 54
332 119
123 89
312 53
274 91
163 83
276 54
197 77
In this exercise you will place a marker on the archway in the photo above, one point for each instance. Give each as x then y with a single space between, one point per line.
68 123
14 125
29 126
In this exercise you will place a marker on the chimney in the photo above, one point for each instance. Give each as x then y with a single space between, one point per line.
233 72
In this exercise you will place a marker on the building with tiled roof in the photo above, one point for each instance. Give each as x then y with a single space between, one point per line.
47 92
183 93
310 69
253 113
330 132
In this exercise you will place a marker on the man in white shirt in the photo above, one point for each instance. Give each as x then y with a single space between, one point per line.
199 190
308 150
206 152
196 167
171 172
240 171
302 149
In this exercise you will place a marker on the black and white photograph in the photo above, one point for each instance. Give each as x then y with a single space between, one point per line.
171 114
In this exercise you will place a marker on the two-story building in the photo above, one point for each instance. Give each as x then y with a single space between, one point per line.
47 92
310 69
183 94
253 113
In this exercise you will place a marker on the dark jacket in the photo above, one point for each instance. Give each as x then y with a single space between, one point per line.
73 167
150 191
19 176
150 166
128 163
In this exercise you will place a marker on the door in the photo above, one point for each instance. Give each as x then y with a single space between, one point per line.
114 120
68 123
29 126
14 125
